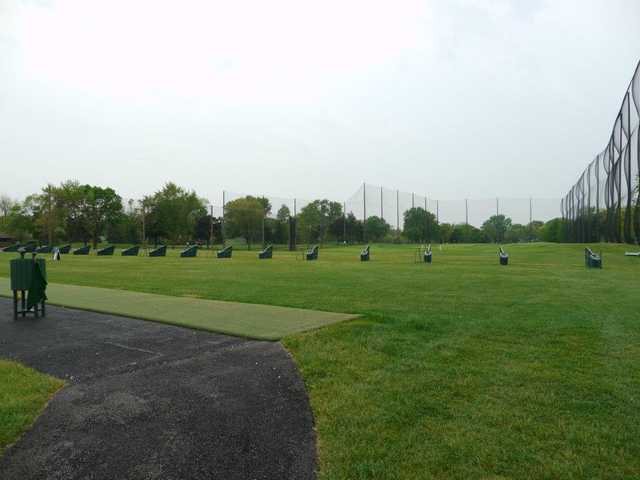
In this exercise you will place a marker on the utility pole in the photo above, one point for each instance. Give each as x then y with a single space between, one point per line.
224 205
211 226
364 205
381 207
49 217
364 202
466 211
144 233
398 210
344 222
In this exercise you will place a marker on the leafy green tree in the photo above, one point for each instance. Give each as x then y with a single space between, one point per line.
19 221
496 227
244 218
347 229
554 230
6 204
517 233
203 229
71 200
316 218
50 213
283 213
172 213
463 233
101 207
535 230
445 231
376 228
419 225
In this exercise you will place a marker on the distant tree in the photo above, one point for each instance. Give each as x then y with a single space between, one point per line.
496 227
19 221
463 233
244 217
517 233
419 225
348 229
71 198
445 231
376 228
203 229
266 205
535 230
283 213
315 219
102 207
172 213
46 216
554 231
6 204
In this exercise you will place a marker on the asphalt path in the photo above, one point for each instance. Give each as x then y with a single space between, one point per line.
145 400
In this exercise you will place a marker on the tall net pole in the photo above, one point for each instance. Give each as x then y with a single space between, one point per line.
224 222
398 210
210 225
344 222
364 209
466 211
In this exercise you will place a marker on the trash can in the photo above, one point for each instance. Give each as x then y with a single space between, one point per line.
23 271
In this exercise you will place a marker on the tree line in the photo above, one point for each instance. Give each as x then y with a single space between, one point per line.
75 212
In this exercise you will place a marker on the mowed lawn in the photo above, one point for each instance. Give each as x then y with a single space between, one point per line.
459 369
23 395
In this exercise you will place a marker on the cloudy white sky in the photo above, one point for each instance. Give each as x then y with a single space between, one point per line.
460 98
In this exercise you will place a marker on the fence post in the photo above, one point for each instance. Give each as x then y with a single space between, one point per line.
364 215
344 223
211 225
398 210
466 211
223 226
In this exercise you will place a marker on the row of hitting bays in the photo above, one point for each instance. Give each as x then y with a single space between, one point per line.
423 254
29 276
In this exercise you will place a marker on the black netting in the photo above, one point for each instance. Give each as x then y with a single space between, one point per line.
604 202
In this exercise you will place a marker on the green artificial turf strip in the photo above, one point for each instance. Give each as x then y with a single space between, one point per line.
263 322
23 395
459 369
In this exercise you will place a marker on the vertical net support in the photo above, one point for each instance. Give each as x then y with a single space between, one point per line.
222 226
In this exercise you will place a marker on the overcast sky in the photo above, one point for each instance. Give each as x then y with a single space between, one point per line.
455 99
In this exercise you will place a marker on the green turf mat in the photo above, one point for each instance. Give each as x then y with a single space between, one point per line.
262 322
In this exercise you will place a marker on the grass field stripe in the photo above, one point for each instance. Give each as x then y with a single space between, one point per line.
262 322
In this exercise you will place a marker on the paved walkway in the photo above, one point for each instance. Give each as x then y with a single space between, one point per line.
152 401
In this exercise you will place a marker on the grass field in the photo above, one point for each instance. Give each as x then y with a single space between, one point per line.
23 394
262 322
459 369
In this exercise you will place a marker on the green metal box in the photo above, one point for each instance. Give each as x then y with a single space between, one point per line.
22 272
